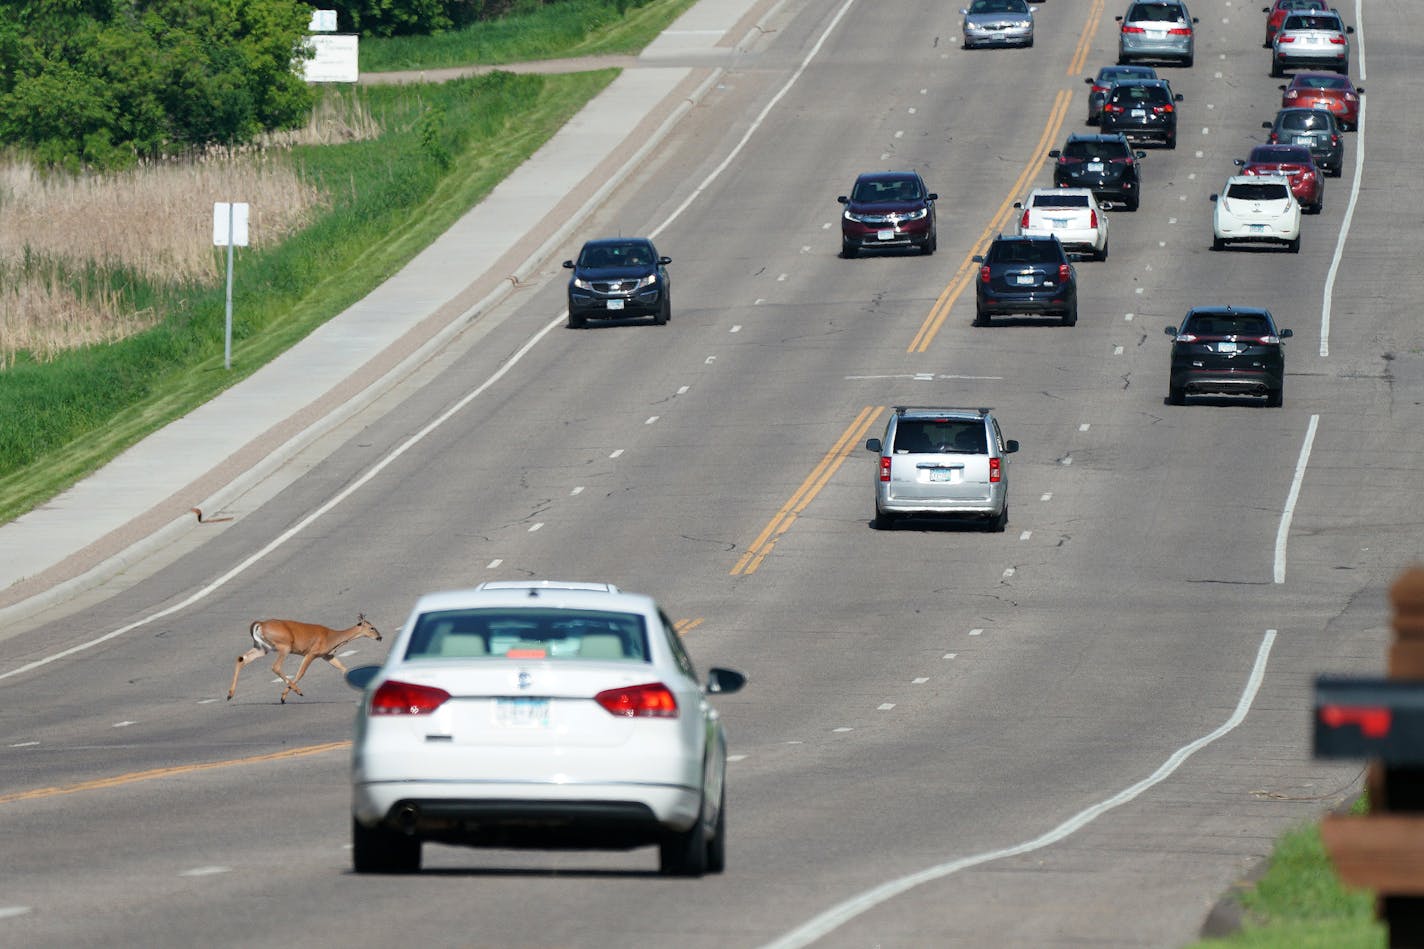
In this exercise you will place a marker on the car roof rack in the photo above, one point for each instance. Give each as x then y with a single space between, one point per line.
902 409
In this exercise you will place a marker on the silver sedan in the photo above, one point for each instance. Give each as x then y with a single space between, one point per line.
998 23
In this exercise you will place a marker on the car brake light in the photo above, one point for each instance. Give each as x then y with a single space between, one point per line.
1187 338
1351 97
1023 221
984 274
405 698
1160 109
1337 40
1274 138
1111 107
1093 219
1180 31
652 700
1334 140
1285 38
1120 160
1063 272
1133 29
1270 340
884 467
1291 94
1099 90
1068 160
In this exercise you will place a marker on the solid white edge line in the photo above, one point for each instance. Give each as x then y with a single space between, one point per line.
437 422
1327 304
1288 513
842 913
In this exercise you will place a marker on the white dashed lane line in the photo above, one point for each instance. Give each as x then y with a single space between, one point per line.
616 452
494 563
205 871
976 632
123 724
577 490
651 419
885 706
6 912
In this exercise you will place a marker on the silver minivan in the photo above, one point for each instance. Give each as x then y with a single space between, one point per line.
1157 30
942 462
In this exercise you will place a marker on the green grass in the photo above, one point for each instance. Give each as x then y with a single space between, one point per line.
554 31
1300 904
444 148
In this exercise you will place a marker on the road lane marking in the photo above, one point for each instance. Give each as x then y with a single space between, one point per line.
1283 531
829 464
832 919
134 777
1327 304
1085 39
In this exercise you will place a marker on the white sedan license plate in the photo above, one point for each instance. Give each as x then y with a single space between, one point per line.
615 304
886 234
520 712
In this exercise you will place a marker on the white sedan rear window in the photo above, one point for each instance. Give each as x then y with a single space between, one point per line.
529 633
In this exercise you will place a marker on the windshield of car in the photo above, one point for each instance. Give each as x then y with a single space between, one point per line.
1024 252
632 254
940 436
1155 13
886 191
1302 21
1304 121
1257 192
1060 200
1227 324
1096 150
529 633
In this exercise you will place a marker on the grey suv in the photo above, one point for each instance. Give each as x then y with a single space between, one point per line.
938 462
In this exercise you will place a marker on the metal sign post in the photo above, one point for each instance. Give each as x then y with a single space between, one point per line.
229 230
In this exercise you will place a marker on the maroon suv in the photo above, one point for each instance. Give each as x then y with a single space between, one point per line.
886 210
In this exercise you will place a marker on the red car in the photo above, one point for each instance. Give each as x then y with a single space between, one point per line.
1276 14
1325 90
1307 182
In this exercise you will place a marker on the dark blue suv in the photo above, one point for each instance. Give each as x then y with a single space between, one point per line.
1025 274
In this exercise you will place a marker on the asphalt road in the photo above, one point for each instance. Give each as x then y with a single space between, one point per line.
1080 732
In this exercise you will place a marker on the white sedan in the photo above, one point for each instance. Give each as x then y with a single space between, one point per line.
1257 209
1072 215
538 714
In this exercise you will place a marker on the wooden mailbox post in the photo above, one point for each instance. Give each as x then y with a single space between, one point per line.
1382 720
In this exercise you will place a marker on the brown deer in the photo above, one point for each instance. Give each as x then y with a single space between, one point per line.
284 636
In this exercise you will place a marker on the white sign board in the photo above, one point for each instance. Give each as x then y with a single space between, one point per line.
334 59
229 219
323 21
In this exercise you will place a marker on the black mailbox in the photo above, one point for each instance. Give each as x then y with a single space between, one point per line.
1370 718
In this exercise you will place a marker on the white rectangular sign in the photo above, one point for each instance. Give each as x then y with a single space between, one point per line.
335 59
237 219
323 21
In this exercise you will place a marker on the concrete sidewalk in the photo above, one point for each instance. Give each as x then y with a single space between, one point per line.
162 488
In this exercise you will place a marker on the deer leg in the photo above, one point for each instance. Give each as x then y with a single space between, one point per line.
337 663
256 652
277 668
301 671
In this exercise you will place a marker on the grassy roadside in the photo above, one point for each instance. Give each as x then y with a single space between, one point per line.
557 30
443 148
1299 903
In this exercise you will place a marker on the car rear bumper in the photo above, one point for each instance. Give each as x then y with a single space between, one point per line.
1136 133
532 813
1143 48
989 506
1238 381
1327 59
996 304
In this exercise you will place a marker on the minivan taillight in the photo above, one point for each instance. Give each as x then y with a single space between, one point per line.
884 467
652 700
406 698
996 471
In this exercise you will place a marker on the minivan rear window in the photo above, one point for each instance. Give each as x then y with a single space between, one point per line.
940 436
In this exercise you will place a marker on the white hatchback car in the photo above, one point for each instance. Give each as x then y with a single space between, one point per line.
543 714
1072 215
1259 209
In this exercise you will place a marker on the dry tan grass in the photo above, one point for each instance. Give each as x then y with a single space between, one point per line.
156 219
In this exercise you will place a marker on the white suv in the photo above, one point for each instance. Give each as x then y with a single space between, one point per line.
942 462
538 714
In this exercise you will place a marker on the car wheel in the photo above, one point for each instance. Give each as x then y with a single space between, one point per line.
1070 316
1001 521
1102 254
1343 70
576 322
848 250
378 850
1122 60
664 312
1172 141
1218 244
1276 71
684 853
1275 398
931 245
883 521
717 846
980 317
1132 204
1177 395
1188 62
1294 246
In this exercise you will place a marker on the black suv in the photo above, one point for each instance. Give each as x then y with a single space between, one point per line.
1143 110
1105 163
617 278
1229 349
1026 274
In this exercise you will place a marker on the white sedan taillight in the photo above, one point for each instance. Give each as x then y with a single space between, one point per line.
652 700
405 698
